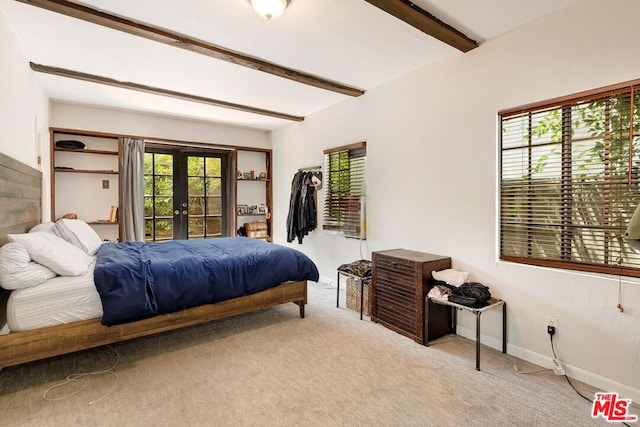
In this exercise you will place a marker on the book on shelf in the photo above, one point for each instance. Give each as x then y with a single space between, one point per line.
113 214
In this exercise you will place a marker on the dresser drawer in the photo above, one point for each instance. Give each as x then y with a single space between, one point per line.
397 266
398 320
398 280
396 295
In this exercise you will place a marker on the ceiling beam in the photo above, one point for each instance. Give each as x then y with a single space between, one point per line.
159 91
427 23
182 41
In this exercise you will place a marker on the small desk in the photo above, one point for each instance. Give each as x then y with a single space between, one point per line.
359 280
477 312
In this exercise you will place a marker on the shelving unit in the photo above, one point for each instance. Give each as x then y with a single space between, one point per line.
254 192
86 181
99 172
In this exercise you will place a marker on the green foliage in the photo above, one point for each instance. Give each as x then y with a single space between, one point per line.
549 128
204 193
599 195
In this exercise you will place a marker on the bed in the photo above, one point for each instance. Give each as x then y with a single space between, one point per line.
20 211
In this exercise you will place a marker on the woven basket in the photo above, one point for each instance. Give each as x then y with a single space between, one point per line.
353 295
256 229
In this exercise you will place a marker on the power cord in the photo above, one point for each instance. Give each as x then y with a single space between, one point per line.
515 368
79 378
551 332
565 375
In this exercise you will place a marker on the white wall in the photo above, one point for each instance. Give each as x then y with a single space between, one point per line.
24 108
432 181
135 124
80 117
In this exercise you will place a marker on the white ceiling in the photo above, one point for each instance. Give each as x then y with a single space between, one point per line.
348 41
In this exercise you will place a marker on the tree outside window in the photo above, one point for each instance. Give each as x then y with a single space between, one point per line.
569 182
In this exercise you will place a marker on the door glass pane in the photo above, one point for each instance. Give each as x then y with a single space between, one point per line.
196 187
214 226
196 205
163 164
196 228
148 185
164 229
213 166
195 166
158 196
148 230
163 186
164 206
148 206
214 206
214 186
148 163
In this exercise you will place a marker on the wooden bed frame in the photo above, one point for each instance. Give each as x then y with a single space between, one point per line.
20 209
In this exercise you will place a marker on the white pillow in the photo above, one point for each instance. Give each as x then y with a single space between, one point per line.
79 234
52 251
17 271
48 227
451 276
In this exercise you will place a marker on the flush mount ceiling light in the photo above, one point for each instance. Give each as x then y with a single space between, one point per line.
269 9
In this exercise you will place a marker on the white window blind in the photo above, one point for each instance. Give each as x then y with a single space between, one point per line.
569 181
345 191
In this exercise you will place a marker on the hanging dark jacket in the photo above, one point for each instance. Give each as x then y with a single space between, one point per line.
302 217
294 202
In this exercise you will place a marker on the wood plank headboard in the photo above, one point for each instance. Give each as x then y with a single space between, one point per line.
20 197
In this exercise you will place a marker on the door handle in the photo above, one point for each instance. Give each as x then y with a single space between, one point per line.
184 212
184 204
176 212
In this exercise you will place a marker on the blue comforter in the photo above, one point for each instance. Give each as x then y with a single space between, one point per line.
137 280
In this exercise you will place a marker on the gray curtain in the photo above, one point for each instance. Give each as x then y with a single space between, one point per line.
133 189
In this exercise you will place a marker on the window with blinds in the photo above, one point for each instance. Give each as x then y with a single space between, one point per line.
569 181
345 190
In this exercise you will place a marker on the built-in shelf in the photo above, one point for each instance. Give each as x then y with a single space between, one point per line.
102 172
85 181
87 151
254 165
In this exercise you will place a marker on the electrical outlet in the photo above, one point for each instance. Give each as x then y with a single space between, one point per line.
552 321
105 184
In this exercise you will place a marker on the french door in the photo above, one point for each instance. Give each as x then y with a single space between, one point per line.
187 195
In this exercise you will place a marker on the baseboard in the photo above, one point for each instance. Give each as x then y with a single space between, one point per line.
579 374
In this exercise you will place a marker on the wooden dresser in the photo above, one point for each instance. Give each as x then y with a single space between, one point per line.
401 281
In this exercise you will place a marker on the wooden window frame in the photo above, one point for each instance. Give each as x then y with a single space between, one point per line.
627 265
344 209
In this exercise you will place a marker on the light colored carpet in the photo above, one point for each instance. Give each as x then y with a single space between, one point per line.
272 368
